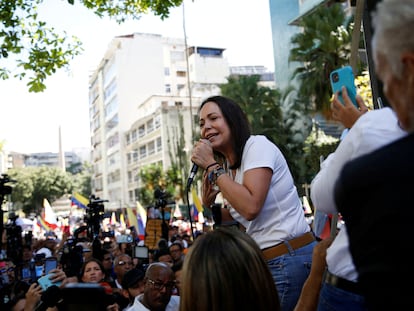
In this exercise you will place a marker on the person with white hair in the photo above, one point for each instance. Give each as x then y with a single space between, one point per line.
374 192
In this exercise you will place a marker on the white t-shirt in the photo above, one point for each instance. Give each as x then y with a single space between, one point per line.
282 216
372 130
173 305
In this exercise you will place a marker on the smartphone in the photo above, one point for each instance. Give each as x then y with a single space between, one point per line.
141 252
344 77
50 264
45 282
26 274
124 238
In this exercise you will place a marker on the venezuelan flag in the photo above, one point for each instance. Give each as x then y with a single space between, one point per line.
197 201
132 218
141 220
137 217
79 200
45 225
194 212
142 214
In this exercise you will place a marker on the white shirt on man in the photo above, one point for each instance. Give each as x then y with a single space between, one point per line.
372 130
173 305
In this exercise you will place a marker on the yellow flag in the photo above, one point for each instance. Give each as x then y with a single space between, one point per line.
132 217
197 201
122 221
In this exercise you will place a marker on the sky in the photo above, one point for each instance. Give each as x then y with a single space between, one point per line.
30 122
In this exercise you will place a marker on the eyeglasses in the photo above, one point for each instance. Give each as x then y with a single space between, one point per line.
106 259
160 286
121 263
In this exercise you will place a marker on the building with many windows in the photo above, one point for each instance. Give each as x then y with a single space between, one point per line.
135 94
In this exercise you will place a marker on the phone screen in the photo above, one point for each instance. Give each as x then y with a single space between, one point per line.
141 252
50 264
26 274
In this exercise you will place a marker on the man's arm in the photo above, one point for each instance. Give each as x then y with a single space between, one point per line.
309 297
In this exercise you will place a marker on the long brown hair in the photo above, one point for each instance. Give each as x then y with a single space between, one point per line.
224 270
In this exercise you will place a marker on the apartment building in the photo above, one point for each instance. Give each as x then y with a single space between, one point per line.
135 95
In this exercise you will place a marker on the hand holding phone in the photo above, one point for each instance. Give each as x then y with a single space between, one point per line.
45 282
344 77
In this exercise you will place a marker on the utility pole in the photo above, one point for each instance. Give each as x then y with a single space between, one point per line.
188 76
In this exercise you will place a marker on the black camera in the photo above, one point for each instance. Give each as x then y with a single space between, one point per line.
335 77
108 234
5 189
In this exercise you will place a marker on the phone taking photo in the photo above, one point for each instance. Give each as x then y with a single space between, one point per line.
50 264
344 77
45 282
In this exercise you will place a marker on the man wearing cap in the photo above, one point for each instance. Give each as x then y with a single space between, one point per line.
48 248
132 284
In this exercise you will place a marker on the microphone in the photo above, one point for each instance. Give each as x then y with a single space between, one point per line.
193 172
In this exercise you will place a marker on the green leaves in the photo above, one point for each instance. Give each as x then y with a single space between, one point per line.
36 183
38 51
322 46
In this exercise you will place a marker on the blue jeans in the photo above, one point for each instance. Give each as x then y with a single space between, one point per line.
333 298
289 272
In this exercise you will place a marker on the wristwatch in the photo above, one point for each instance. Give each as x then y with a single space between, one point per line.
214 174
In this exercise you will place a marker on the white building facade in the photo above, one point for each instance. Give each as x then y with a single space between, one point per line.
135 96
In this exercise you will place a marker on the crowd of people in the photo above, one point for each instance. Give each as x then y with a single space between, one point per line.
263 254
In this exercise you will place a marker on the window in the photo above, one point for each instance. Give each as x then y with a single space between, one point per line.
110 89
159 144
157 121
181 74
134 135
177 56
113 141
142 152
112 123
150 126
141 130
111 107
128 138
151 148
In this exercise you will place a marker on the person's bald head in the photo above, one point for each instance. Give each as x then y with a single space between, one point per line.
159 283
158 269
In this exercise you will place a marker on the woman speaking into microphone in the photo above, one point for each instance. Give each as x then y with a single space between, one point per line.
259 193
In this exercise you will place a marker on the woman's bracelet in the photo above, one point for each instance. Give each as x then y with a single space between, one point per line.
214 174
210 165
